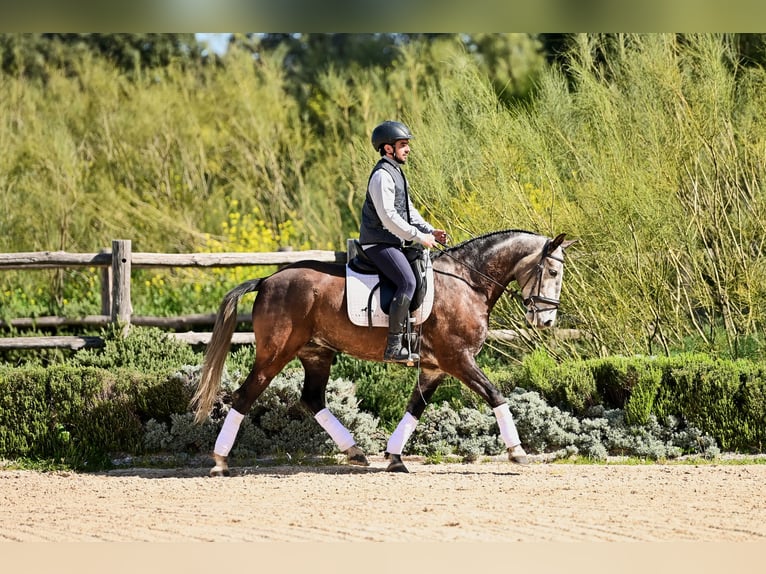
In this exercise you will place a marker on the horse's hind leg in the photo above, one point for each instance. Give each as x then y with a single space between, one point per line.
317 362
242 400
427 384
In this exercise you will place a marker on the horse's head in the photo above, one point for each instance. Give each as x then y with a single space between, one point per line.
541 282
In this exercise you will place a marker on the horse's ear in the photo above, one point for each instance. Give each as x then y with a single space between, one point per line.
565 244
559 241
556 241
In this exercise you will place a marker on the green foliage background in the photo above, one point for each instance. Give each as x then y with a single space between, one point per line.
648 148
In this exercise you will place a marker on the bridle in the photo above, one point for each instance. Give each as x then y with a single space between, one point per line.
532 301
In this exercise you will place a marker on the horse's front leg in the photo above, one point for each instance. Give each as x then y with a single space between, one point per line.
475 379
509 434
427 384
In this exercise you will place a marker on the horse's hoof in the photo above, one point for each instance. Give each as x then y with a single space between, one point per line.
396 464
221 467
517 455
218 471
356 456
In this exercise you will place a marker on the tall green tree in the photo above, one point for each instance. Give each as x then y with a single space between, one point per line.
32 55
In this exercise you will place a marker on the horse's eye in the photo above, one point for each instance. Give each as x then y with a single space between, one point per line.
553 272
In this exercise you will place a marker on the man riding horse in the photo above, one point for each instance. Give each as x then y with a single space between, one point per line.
389 223
300 313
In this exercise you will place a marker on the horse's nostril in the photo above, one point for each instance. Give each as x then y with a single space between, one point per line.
548 323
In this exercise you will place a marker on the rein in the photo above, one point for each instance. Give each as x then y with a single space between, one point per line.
505 288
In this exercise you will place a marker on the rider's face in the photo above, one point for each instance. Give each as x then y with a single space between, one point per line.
401 149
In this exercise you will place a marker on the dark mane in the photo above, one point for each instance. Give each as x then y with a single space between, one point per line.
474 242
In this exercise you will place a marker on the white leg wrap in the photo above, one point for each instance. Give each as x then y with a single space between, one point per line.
228 433
507 427
402 434
335 429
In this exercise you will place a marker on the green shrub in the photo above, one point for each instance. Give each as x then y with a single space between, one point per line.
144 349
708 393
79 415
573 387
602 432
83 414
569 385
536 372
750 405
640 404
543 428
628 382
24 420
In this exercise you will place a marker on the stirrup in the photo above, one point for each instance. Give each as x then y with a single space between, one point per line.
396 352
401 355
413 343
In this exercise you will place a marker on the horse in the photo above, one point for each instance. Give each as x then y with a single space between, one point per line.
300 311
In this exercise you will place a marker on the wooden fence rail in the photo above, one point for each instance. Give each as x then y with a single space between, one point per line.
115 270
57 259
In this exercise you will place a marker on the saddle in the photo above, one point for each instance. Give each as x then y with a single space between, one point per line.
369 293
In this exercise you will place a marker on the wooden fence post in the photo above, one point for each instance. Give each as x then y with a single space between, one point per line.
106 288
121 264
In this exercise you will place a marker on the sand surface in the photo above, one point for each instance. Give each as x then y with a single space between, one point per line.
483 501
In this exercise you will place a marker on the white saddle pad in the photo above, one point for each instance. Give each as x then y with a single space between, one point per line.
358 287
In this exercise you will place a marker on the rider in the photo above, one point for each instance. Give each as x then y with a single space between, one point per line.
389 222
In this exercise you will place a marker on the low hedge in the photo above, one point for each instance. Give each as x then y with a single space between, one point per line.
80 415
725 399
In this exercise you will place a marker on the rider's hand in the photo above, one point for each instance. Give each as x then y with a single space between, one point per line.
440 235
429 241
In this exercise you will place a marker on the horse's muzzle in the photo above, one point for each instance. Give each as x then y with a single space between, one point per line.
541 319
541 311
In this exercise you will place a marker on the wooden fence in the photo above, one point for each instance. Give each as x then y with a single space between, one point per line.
115 268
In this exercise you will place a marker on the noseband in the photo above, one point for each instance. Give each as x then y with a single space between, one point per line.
531 302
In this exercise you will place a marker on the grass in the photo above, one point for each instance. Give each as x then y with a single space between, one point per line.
722 460
36 465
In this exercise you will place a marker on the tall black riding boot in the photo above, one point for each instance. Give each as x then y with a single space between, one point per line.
398 319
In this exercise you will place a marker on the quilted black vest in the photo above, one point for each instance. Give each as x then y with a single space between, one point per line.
372 229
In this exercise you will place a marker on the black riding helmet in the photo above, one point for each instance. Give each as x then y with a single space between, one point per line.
389 132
